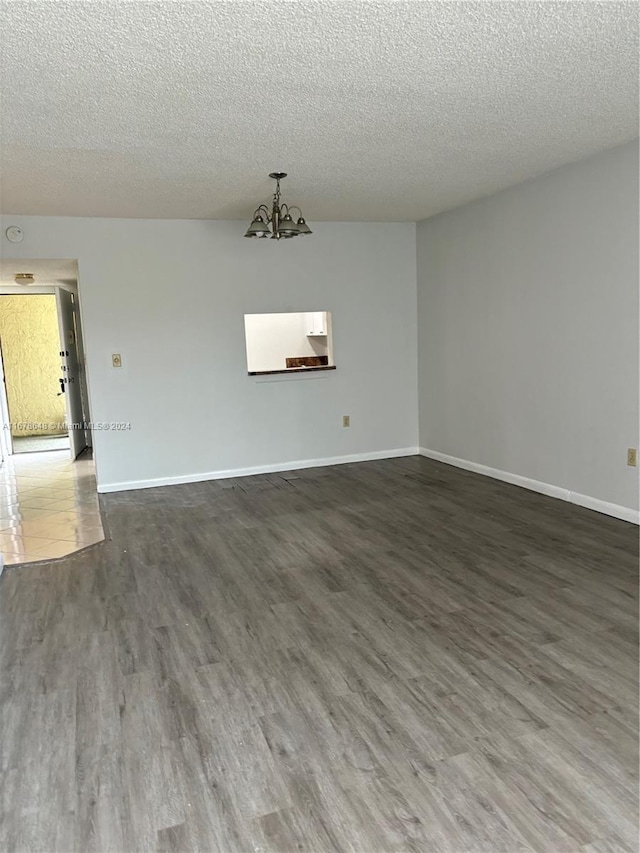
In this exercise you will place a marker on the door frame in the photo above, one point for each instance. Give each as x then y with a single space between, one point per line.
74 287
73 429
6 439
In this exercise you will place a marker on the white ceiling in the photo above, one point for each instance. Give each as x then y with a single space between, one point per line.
378 110
46 272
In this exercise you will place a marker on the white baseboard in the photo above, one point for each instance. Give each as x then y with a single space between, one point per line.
259 469
616 510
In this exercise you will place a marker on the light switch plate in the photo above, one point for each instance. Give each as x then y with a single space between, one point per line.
116 359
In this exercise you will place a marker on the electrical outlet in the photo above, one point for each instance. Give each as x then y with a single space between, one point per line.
346 420
116 359
632 457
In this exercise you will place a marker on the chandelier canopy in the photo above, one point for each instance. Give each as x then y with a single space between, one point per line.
277 223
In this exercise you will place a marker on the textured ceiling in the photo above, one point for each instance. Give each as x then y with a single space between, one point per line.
45 271
378 110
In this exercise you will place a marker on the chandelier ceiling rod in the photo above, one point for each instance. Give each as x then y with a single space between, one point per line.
277 223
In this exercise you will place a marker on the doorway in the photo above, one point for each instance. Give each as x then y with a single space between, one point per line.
44 404
29 347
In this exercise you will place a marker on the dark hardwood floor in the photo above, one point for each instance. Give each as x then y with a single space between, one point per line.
383 656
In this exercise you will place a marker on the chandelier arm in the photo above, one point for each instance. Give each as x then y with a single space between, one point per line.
262 207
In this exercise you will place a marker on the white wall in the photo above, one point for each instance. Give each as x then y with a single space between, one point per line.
171 296
272 338
528 329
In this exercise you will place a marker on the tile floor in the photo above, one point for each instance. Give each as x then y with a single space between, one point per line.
48 506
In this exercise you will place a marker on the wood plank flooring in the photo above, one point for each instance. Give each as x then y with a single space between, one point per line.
385 656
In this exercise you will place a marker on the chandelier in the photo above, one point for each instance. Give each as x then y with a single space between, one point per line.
277 223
